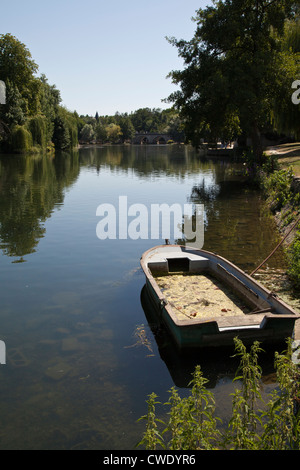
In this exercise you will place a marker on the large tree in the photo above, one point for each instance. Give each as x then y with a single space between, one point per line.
229 76
31 103
18 67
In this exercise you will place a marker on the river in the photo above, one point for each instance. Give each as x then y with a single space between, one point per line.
76 374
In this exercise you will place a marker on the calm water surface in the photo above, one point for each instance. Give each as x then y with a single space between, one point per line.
77 376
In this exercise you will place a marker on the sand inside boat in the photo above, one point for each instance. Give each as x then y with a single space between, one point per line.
200 296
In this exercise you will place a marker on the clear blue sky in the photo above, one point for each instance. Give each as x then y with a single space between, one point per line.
104 56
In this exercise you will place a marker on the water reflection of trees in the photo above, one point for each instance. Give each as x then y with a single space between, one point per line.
237 225
30 188
144 160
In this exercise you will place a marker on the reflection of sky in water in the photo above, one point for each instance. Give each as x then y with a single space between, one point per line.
75 375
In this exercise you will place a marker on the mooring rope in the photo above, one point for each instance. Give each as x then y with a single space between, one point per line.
280 243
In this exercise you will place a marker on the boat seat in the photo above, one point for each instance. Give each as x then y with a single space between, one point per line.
198 264
164 265
160 266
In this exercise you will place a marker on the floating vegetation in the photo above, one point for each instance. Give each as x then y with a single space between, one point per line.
199 296
142 339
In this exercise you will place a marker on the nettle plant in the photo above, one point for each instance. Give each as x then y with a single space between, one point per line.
191 423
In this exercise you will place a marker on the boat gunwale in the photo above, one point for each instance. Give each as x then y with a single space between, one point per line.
231 321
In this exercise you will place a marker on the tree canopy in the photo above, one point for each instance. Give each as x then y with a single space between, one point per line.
239 68
233 69
32 115
16 64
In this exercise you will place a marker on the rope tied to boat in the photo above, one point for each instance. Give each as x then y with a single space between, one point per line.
276 248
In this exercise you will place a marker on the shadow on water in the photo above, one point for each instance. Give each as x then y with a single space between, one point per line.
217 364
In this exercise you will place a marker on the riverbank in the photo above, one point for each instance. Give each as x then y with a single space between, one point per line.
288 155
282 192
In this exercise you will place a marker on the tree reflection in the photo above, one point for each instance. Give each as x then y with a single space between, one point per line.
30 188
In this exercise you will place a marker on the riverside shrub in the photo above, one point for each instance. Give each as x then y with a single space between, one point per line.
192 424
21 139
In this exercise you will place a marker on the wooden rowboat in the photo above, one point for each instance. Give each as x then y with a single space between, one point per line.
205 300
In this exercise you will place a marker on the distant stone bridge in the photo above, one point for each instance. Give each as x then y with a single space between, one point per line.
151 138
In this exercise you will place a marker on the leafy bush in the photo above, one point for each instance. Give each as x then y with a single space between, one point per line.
257 172
277 187
294 261
193 426
278 190
21 139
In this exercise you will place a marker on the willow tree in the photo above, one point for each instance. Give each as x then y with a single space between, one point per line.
228 81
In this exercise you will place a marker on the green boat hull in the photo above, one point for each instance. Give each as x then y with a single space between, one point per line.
273 327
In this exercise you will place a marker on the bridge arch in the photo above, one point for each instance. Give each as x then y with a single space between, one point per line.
151 138
159 140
